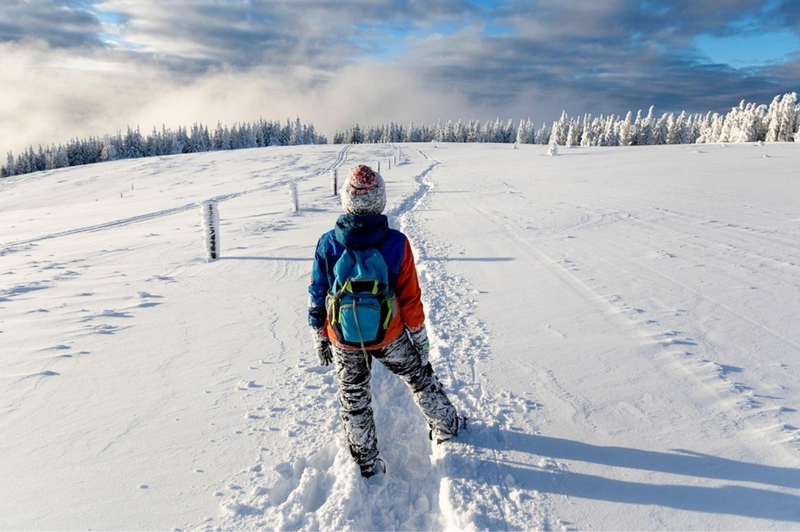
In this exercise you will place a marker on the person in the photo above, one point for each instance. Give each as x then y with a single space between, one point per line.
404 349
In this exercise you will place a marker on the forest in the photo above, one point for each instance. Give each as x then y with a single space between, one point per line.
133 144
748 122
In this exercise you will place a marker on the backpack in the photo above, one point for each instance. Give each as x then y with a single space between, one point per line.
360 303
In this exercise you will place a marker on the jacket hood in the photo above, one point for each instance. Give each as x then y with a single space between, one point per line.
361 231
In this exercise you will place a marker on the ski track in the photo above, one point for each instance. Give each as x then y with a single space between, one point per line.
759 410
459 344
52 274
272 185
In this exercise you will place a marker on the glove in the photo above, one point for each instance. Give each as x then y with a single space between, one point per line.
322 346
420 340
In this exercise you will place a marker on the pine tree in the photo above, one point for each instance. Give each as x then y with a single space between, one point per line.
9 167
646 135
525 132
61 159
796 128
572 136
41 160
788 116
543 135
773 120
296 136
132 145
587 131
625 131
108 153
560 129
681 135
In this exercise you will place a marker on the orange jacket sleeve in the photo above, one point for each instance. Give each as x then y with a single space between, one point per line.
408 292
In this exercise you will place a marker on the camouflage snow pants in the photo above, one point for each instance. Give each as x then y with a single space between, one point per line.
355 396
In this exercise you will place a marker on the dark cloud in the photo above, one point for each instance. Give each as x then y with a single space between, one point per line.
787 13
60 23
320 33
606 57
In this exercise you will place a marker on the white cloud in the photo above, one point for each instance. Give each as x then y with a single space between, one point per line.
180 62
52 96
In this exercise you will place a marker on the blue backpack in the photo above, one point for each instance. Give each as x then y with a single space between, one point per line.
360 303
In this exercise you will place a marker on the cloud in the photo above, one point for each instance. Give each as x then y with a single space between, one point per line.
600 57
90 67
251 33
96 94
63 24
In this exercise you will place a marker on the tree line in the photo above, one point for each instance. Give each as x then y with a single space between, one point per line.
749 122
133 144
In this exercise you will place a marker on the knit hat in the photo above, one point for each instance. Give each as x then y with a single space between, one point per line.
364 192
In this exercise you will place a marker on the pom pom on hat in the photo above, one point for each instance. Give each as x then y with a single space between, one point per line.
364 192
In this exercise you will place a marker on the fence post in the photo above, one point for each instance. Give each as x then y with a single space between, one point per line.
294 197
210 214
334 181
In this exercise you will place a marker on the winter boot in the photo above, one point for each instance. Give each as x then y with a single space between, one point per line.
373 468
461 424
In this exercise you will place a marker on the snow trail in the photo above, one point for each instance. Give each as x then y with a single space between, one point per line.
459 343
427 486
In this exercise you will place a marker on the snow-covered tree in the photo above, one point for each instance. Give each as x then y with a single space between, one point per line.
543 134
558 134
625 131
572 135
526 133
165 142
782 118
9 167
296 137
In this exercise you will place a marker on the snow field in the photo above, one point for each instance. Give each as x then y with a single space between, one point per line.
618 324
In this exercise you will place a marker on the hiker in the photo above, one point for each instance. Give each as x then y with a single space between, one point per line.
362 242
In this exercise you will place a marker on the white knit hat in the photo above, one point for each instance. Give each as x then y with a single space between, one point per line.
364 192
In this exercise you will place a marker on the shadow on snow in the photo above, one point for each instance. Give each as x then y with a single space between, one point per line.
738 500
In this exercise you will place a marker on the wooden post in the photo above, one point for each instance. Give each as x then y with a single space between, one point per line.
210 214
294 197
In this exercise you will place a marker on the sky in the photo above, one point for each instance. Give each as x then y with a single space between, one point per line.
78 68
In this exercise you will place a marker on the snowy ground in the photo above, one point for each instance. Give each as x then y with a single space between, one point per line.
620 325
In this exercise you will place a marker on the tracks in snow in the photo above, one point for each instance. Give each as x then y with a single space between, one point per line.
461 485
122 222
475 489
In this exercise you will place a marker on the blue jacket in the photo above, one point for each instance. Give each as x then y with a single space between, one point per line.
363 232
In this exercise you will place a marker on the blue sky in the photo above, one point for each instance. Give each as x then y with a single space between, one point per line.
756 50
89 67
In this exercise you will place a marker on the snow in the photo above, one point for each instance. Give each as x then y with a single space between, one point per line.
619 324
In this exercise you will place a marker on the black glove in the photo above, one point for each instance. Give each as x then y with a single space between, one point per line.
322 346
420 340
